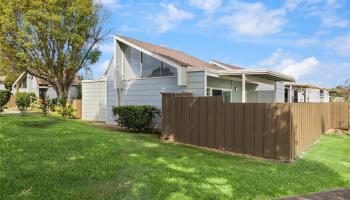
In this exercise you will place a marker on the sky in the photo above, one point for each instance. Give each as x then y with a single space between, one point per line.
308 39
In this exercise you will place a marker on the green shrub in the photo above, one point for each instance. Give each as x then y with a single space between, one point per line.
137 118
52 103
56 102
44 105
4 98
66 111
22 100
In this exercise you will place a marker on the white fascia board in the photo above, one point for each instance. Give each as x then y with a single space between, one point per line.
97 80
219 65
257 72
161 58
304 85
209 73
109 65
18 79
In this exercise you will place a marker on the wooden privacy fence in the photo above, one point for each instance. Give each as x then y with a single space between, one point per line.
12 102
271 130
77 104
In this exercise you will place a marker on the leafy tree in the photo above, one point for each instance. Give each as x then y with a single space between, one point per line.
10 79
343 90
51 39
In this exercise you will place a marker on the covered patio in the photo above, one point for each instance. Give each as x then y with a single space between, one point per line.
248 85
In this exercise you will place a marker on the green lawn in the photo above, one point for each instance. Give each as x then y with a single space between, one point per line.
51 158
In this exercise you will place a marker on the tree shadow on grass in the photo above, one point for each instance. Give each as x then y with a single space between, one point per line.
196 174
38 123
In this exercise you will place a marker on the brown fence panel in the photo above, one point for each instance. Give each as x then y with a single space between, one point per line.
212 122
203 118
228 126
270 131
248 129
309 122
238 128
283 136
340 115
259 129
12 102
278 131
77 104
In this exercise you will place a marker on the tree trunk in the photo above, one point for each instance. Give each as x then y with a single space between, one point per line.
62 91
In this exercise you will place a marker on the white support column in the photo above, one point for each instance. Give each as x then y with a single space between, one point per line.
290 94
244 93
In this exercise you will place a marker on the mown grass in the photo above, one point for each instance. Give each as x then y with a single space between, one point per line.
51 158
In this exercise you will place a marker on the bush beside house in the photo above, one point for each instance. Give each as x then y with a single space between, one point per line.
4 98
136 118
23 101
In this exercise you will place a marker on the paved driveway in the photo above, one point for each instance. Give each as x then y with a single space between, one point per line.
330 195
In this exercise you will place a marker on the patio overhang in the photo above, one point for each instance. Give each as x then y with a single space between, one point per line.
259 74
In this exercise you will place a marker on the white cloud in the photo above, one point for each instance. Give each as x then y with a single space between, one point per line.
306 42
291 4
290 64
328 12
110 3
330 20
254 19
171 17
341 45
209 6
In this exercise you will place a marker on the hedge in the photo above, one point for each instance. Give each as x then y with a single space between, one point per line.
137 118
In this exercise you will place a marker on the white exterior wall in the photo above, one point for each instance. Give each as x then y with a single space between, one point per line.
51 93
2 86
313 95
73 92
256 92
279 92
148 91
94 100
33 87
326 96
111 94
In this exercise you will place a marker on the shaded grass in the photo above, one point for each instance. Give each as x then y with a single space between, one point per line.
51 158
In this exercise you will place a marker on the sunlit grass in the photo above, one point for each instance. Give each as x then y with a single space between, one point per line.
51 158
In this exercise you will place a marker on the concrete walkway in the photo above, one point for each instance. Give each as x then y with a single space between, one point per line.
10 111
330 195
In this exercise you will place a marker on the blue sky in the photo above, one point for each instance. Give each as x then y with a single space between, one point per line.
309 39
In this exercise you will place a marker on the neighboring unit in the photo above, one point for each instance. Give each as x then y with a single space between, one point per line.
2 80
31 84
139 72
299 92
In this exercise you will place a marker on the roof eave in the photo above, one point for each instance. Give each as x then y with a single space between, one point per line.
258 72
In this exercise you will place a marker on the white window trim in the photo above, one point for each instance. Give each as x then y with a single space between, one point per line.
181 70
222 89
155 77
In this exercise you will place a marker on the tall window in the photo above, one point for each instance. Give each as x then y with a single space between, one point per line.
152 67
24 83
168 70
